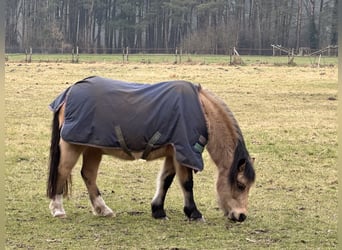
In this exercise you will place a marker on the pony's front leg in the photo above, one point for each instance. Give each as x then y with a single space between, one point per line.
91 161
164 181
185 177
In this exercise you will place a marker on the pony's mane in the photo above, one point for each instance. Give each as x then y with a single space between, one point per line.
226 114
241 155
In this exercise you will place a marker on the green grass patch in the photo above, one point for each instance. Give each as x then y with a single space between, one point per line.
288 118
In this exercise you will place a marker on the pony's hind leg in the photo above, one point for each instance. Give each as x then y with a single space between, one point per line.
69 155
91 161
185 177
164 181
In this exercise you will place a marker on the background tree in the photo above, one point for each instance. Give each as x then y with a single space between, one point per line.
198 26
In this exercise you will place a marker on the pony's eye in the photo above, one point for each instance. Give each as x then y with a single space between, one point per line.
241 186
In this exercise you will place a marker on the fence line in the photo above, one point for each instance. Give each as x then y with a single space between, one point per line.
330 50
234 56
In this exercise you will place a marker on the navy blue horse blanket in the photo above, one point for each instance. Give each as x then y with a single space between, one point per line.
135 117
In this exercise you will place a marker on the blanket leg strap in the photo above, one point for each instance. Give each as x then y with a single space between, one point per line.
199 146
121 139
150 144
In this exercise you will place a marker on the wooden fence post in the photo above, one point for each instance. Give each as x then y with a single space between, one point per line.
72 55
180 55
30 58
291 56
319 60
28 55
127 54
76 54
176 52
236 57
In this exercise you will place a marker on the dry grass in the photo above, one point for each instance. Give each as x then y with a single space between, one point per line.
287 115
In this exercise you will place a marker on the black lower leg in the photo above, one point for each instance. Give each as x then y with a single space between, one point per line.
190 208
192 213
158 211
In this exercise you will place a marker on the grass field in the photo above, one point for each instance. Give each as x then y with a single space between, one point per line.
289 121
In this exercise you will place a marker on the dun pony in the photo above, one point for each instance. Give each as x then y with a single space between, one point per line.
175 120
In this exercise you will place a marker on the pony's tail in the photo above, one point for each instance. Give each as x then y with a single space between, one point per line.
55 154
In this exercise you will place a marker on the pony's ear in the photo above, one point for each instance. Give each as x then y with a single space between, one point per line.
242 165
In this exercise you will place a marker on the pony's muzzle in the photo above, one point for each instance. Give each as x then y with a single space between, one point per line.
237 217
242 217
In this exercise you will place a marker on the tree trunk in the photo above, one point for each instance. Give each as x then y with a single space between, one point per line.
299 23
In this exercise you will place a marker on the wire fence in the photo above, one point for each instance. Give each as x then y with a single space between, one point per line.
234 56
331 50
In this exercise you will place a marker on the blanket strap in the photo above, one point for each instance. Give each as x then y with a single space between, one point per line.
199 146
150 144
121 139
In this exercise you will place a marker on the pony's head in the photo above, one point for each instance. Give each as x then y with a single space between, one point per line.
227 148
233 189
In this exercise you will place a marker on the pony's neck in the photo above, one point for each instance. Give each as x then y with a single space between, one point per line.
222 130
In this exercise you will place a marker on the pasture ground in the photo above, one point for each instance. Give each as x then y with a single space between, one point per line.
288 116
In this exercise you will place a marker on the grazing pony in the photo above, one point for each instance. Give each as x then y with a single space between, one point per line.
175 120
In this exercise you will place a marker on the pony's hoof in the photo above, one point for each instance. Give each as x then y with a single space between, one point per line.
105 212
56 207
58 213
162 218
109 214
201 220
